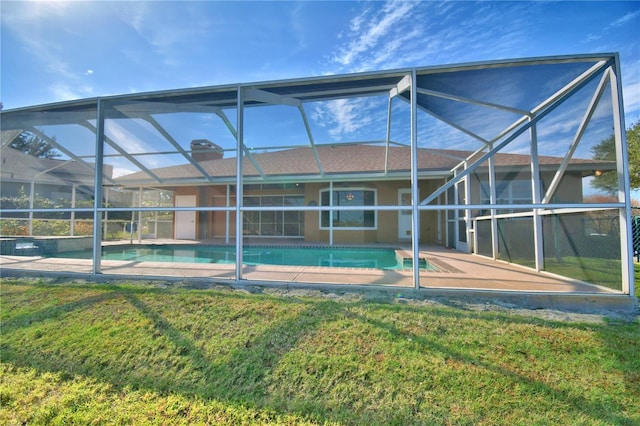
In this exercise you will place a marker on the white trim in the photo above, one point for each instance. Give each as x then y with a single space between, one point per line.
400 228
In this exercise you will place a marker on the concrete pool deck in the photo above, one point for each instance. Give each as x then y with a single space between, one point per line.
460 276
456 270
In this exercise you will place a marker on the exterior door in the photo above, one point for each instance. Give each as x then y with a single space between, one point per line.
185 220
404 216
461 215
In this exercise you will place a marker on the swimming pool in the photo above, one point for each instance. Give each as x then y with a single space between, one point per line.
337 257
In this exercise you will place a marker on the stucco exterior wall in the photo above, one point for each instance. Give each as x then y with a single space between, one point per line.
387 221
213 224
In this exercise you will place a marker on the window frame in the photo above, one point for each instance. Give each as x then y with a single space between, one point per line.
509 194
279 217
349 228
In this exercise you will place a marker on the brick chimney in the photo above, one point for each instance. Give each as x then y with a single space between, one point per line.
205 150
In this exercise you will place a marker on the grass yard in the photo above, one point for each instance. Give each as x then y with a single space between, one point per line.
604 272
82 353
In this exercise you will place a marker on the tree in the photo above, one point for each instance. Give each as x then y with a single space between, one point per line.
34 145
606 150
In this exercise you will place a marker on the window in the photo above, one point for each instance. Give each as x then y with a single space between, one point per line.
349 219
272 186
509 192
274 223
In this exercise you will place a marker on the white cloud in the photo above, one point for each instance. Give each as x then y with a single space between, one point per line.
399 34
168 29
62 91
128 141
347 118
629 16
369 30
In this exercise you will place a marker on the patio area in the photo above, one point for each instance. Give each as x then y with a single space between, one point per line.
455 270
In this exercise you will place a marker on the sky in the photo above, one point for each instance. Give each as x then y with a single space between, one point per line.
55 51
60 50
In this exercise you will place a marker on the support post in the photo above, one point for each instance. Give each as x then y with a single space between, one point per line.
105 225
32 195
535 194
226 215
415 191
388 138
624 187
493 201
140 194
467 213
331 213
98 190
239 181
72 224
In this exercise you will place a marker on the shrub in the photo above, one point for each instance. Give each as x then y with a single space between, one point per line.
83 228
14 227
51 227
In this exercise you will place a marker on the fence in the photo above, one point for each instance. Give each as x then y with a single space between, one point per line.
635 232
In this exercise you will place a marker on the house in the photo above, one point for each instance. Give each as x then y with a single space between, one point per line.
491 158
358 175
51 178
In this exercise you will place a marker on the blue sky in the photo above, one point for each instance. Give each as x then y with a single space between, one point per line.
54 51
61 50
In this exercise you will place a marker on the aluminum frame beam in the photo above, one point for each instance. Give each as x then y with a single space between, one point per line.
220 113
402 86
124 153
8 136
450 123
64 150
463 99
264 96
176 145
311 139
538 112
622 165
591 109
388 138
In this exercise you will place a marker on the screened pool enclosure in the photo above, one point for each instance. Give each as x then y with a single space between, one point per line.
514 162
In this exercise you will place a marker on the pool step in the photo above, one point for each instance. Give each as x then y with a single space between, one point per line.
407 262
406 258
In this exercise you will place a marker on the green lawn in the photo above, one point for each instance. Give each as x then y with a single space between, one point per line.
81 353
604 272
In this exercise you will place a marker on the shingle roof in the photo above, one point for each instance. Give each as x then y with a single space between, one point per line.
21 167
339 159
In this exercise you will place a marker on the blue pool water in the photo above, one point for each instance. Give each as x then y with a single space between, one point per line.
253 255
